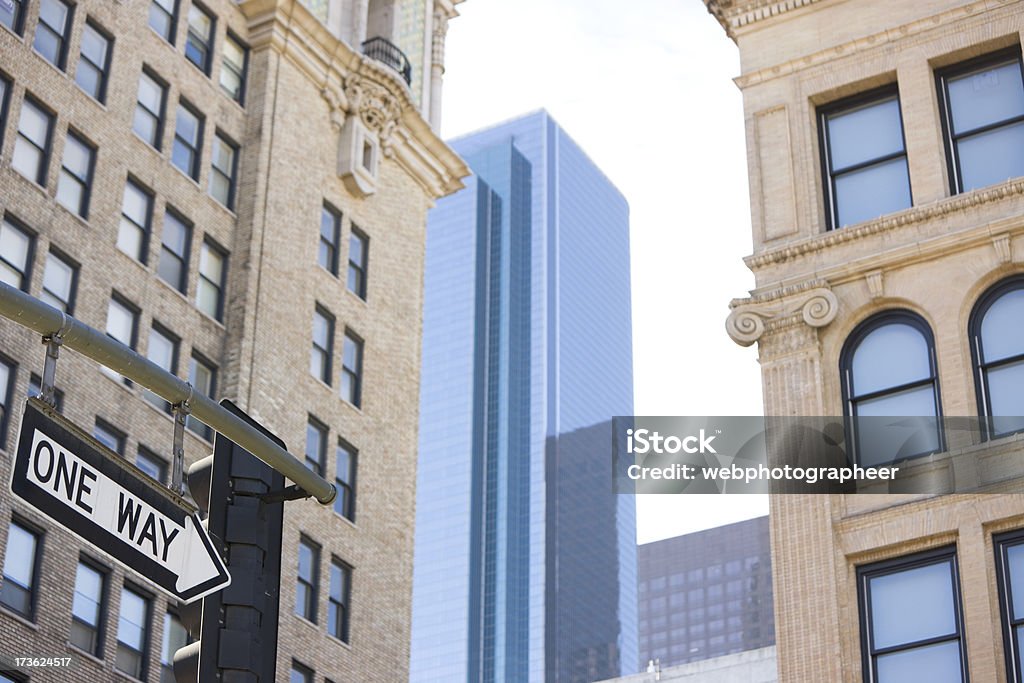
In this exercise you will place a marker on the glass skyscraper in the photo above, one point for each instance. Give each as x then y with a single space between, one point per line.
525 566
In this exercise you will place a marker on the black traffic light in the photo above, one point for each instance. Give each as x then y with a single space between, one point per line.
237 626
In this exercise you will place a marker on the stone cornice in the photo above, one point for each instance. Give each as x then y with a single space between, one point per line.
894 34
352 83
912 216
735 14
814 303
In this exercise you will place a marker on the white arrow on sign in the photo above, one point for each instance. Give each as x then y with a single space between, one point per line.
114 507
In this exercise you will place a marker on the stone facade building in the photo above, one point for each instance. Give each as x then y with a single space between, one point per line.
885 155
241 196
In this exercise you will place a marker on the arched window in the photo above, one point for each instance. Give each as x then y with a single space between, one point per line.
997 347
888 370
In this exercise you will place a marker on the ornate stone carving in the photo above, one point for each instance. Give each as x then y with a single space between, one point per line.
746 323
1001 243
377 108
339 106
876 284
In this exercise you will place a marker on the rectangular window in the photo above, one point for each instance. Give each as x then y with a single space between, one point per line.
60 280
75 179
52 31
110 436
307 579
175 638
345 480
202 375
323 344
32 146
136 215
15 254
5 89
163 16
188 140
122 325
210 288
7 375
87 608
330 232
12 15
864 158
233 65
162 350
982 104
300 674
132 634
21 570
358 252
223 166
94 61
152 464
199 44
352 369
174 251
911 621
148 122
1010 578
316 445
338 600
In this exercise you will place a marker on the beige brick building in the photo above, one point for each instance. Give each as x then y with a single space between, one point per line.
886 157
238 192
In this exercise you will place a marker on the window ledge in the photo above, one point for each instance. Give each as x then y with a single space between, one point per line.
92 99
194 181
21 618
216 202
81 219
84 653
32 183
309 624
17 36
62 72
171 288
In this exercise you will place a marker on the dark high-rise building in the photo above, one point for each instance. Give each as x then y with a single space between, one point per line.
706 594
525 565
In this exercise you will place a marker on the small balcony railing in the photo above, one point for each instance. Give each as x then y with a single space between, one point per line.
386 52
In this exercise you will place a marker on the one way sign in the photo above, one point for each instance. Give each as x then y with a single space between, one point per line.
65 474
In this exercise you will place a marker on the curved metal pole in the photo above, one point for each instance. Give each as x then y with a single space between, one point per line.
27 311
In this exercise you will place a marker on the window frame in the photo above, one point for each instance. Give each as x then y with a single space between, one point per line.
361 269
303 670
980 367
312 584
210 42
120 437
344 607
949 138
35 383
828 174
157 328
104 71
220 138
1008 625
147 631
242 75
195 358
146 230
37 560
318 463
5 100
100 627
30 254
354 374
162 465
18 25
85 183
172 23
209 244
160 117
64 37
327 352
333 245
849 349
6 396
58 254
178 141
136 313
43 171
346 497
183 259
897 565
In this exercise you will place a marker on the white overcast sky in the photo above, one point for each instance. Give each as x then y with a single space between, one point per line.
646 89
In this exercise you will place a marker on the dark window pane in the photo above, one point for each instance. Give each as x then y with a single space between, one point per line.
912 605
873 191
991 95
992 157
865 133
933 663
889 356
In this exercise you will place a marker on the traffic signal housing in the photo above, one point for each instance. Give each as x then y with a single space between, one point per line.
237 626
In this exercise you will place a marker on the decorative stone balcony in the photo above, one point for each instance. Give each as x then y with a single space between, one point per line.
387 53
